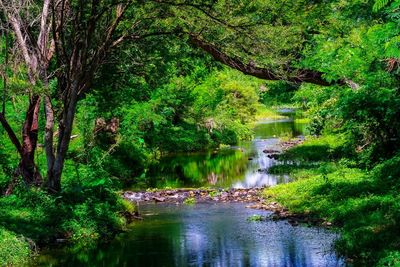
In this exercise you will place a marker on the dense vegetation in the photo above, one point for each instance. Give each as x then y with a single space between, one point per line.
96 91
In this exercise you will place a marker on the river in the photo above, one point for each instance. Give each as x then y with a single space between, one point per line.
216 234
242 166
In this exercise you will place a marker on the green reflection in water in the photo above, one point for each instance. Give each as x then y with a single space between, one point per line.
195 170
279 128
225 168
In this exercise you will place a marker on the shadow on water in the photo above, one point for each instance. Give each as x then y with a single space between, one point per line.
207 235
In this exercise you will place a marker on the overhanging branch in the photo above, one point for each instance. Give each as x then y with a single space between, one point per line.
302 75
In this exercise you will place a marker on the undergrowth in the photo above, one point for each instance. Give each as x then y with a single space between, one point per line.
364 204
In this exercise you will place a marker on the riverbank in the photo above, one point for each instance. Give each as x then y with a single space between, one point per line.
329 187
253 196
33 220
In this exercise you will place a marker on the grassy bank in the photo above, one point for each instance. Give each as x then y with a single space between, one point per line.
363 204
80 216
265 113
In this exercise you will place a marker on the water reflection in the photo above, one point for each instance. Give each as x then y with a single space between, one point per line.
208 235
241 167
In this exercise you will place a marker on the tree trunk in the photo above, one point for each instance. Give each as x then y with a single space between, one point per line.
64 130
27 167
48 136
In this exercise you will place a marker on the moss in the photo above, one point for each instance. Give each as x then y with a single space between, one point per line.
214 193
189 201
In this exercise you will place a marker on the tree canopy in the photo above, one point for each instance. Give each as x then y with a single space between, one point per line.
103 89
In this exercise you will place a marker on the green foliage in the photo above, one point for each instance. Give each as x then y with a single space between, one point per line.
379 4
181 116
324 148
277 93
255 218
14 250
213 193
190 201
170 97
364 204
84 212
392 258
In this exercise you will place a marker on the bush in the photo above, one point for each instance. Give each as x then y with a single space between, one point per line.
391 258
86 211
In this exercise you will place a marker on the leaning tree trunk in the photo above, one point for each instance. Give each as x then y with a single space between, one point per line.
27 167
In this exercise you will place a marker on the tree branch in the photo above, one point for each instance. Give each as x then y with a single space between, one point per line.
43 34
16 25
200 8
11 133
302 75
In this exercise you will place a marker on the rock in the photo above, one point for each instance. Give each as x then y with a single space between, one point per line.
270 151
273 156
327 224
224 195
133 196
255 206
275 217
159 199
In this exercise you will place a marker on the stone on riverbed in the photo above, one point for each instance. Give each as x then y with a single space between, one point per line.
159 199
251 195
200 195
271 151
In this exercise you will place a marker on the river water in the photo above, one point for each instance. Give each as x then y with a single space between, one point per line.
212 234
243 166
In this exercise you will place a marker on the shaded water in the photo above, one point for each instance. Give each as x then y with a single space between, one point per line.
207 235
243 166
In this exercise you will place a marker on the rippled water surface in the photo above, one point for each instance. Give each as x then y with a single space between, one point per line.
207 235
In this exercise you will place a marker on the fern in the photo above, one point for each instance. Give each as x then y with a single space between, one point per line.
392 48
379 4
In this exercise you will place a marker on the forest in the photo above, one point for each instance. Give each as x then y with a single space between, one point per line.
106 103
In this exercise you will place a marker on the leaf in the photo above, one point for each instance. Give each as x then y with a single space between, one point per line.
379 4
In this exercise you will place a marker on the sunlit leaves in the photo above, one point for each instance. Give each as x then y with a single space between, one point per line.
379 4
